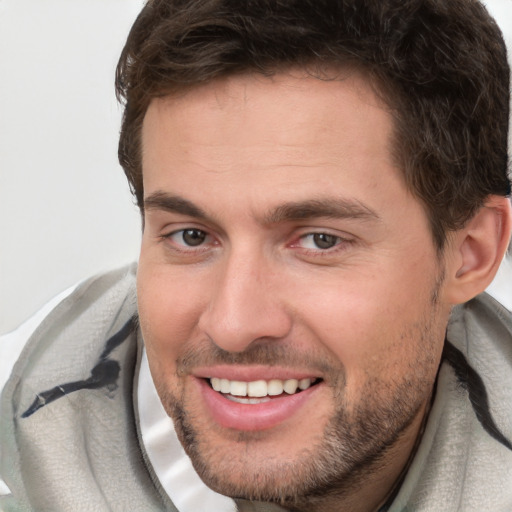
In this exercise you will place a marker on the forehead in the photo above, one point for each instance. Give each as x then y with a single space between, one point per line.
264 121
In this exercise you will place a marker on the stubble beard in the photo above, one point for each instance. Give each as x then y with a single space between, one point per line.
351 447
332 467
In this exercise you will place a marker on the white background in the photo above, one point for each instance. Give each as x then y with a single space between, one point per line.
65 208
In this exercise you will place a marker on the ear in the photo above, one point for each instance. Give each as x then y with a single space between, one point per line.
475 252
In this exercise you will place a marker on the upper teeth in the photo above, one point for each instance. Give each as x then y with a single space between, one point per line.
259 388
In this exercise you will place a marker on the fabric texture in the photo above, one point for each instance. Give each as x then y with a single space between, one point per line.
69 434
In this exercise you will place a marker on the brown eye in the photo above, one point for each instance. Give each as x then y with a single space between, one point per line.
324 241
193 237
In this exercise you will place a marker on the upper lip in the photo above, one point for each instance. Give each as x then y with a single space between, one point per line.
252 373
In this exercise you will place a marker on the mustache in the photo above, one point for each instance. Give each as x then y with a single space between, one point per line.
264 353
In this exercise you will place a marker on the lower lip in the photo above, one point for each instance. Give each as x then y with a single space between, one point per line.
251 417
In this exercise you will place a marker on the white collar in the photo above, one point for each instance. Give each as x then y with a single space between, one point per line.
170 462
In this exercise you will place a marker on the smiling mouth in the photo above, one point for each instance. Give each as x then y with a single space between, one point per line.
259 391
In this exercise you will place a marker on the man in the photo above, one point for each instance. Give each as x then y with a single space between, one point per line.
323 188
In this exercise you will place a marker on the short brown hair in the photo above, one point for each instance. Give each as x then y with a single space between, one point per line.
440 65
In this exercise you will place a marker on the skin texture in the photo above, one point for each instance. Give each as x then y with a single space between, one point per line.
307 256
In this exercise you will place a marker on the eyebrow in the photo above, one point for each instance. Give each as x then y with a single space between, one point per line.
173 204
329 207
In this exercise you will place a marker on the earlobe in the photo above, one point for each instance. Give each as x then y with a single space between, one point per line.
478 249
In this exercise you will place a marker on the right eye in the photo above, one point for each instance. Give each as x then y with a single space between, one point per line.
189 237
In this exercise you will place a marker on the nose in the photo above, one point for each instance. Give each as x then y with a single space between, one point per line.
245 304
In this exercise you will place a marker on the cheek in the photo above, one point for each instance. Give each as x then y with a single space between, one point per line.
168 312
374 326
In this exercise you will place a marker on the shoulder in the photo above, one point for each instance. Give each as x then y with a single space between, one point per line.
120 282
69 401
71 338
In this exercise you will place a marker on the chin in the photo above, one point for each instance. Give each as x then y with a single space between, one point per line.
263 466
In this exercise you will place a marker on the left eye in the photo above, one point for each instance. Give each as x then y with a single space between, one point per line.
319 241
189 237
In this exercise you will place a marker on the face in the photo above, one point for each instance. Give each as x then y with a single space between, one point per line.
290 295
